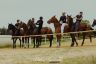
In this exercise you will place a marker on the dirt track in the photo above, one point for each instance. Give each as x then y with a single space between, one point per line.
27 56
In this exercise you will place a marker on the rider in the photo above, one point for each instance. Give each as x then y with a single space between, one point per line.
17 24
79 18
94 23
63 21
40 24
33 20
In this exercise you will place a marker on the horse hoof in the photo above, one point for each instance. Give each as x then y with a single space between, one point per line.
50 46
72 45
58 46
76 45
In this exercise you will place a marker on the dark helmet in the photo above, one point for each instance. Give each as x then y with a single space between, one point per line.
41 17
32 18
18 20
81 12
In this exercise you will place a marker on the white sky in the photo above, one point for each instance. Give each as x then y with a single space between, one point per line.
11 10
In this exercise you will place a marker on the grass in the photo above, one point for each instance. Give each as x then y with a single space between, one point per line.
46 55
5 46
80 60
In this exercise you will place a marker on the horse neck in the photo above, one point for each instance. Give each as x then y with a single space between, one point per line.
70 22
57 26
14 30
25 27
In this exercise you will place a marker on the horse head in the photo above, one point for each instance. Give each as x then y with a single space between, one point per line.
52 20
30 24
11 26
69 20
94 23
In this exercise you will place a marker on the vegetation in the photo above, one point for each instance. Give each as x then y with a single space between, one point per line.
85 21
3 31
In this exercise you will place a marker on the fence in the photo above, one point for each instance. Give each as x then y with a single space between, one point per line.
45 35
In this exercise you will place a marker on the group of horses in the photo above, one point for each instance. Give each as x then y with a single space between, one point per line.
30 29
26 31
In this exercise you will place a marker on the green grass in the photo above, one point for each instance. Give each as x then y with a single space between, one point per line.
5 46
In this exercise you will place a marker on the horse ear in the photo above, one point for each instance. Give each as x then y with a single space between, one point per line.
54 16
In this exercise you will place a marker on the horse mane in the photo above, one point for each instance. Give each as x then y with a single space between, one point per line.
13 26
56 22
70 21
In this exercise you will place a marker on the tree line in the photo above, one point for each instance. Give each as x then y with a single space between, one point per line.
4 31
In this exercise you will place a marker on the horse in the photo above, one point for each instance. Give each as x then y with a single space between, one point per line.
82 27
24 27
15 32
94 27
69 27
57 26
33 31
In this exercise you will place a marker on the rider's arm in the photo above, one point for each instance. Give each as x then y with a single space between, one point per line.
37 23
60 19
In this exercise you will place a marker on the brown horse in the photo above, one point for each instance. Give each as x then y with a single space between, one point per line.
45 30
57 26
82 27
24 27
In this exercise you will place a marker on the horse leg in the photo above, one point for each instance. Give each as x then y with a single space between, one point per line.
20 42
90 37
50 42
75 39
58 43
25 44
34 41
31 40
72 44
13 43
28 41
84 34
50 39
72 36
38 42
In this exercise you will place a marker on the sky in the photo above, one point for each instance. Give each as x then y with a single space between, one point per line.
11 10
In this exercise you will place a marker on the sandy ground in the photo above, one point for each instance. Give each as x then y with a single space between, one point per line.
27 56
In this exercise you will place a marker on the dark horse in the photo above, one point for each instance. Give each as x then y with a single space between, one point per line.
94 27
33 31
82 27
24 27
15 32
